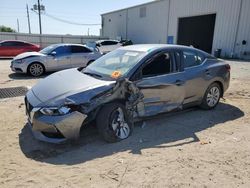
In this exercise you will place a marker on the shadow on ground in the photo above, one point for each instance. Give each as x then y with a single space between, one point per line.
20 76
161 132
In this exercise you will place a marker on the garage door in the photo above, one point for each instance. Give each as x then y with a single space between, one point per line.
197 31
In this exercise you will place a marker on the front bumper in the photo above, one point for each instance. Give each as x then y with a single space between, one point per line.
18 67
54 129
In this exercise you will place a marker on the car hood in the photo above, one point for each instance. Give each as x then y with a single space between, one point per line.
71 84
28 54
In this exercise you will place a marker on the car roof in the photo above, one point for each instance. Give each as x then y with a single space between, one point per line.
15 41
99 41
152 47
155 47
69 44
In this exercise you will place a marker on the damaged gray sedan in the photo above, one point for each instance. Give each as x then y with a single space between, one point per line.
124 86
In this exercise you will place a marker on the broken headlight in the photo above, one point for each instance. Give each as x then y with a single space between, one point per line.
54 111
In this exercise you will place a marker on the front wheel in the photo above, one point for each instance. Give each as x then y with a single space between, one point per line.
211 97
113 122
36 69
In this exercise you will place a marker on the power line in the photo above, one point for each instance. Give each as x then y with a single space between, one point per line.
69 22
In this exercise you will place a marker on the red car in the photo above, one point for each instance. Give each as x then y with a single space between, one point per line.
10 48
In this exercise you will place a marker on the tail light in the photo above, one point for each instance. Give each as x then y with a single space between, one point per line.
228 67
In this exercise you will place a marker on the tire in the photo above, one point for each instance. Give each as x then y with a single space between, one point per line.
111 125
36 69
212 97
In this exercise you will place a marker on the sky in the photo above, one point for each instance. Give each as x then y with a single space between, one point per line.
78 11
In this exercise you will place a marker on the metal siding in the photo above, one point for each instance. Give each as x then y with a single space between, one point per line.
154 27
227 12
149 29
116 27
243 31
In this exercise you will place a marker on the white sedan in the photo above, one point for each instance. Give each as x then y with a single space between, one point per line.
53 58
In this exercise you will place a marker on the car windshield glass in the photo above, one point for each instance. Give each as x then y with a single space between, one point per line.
115 64
48 49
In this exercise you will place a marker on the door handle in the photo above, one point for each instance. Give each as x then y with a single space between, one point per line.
179 82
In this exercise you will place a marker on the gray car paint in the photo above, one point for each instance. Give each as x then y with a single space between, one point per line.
144 97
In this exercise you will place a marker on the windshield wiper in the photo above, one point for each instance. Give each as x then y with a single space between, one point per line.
93 74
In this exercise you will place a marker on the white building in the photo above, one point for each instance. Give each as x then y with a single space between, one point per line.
206 24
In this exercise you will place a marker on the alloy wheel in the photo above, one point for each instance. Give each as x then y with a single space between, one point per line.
119 125
36 69
213 96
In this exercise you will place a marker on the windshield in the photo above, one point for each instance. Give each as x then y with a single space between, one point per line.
49 49
114 64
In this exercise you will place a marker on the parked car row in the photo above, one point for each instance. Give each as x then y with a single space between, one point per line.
55 57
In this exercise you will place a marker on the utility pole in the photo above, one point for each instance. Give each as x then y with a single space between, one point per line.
88 31
39 13
17 25
39 8
28 16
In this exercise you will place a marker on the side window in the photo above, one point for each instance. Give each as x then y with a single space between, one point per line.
105 43
19 44
79 49
160 65
8 44
62 50
191 59
26 44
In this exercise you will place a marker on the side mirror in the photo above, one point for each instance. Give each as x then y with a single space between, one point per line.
53 53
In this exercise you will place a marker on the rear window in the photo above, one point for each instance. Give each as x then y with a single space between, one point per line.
192 58
104 43
79 49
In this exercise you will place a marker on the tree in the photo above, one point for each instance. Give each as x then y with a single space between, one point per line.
6 29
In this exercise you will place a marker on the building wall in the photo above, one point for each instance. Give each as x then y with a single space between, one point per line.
243 33
149 29
232 23
127 23
114 25
227 12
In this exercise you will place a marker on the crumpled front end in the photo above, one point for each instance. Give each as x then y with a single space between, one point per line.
81 107
54 129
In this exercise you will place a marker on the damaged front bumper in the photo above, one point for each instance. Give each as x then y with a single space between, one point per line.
54 129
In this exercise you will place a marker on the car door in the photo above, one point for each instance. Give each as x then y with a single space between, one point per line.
80 56
59 58
8 48
162 85
19 47
195 74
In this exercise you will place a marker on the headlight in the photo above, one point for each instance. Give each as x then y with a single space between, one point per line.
53 111
18 61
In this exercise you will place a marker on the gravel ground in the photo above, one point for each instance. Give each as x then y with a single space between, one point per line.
194 148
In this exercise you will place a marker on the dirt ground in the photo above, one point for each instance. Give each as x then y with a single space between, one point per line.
194 148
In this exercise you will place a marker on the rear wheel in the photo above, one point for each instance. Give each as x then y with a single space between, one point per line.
113 122
36 69
211 97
